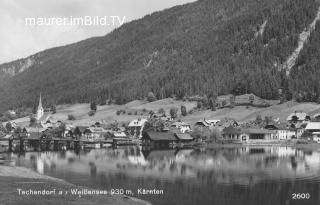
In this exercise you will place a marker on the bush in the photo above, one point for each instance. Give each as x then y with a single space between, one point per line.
199 104
91 113
93 106
151 97
173 112
183 110
71 117
161 111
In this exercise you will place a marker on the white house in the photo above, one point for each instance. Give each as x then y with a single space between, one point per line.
136 126
298 117
182 126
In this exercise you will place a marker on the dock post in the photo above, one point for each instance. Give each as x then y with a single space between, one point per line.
55 145
22 148
68 145
10 144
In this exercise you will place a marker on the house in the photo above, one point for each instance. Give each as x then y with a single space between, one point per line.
34 132
316 117
231 133
282 131
183 137
296 117
136 127
204 123
313 127
158 139
213 122
119 134
252 135
94 133
182 126
316 137
248 135
79 130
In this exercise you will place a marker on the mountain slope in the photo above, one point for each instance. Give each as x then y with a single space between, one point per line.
210 47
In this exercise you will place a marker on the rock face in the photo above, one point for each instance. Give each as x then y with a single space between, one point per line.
303 38
18 66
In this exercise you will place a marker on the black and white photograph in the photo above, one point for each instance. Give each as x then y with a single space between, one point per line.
160 102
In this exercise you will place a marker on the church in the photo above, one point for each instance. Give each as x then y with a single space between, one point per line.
40 110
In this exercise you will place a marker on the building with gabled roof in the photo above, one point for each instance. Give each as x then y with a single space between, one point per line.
136 126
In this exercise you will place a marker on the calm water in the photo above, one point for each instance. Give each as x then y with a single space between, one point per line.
236 176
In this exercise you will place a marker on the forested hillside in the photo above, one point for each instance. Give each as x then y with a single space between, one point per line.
210 47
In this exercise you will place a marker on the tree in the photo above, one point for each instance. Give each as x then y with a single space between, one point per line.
54 109
93 106
151 97
33 121
232 101
294 118
91 113
212 104
258 119
183 110
18 130
71 117
161 111
9 127
199 104
268 119
205 101
173 112
2 128
251 99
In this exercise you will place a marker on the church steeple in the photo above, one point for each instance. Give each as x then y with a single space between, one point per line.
40 103
40 110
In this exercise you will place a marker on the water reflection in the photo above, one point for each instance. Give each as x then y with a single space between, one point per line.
222 176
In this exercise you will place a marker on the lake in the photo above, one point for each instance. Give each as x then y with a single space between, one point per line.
223 176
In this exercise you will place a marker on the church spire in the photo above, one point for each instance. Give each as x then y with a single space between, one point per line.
40 110
40 103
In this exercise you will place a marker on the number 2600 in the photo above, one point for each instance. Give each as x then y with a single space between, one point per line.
300 196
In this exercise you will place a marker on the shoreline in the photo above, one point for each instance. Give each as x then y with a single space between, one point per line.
14 178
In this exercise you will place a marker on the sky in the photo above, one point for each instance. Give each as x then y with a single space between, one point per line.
18 40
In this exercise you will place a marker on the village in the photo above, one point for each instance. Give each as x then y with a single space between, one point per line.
159 131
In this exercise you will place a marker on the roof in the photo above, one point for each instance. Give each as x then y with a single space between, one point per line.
300 115
231 130
213 121
183 136
276 126
34 135
34 129
119 134
203 122
137 123
81 128
258 131
160 136
178 124
95 130
313 126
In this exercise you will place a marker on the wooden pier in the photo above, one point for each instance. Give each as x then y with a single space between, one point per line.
51 144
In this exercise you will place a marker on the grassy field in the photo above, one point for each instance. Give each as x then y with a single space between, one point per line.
140 109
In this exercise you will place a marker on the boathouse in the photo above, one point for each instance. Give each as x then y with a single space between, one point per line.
183 137
158 139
